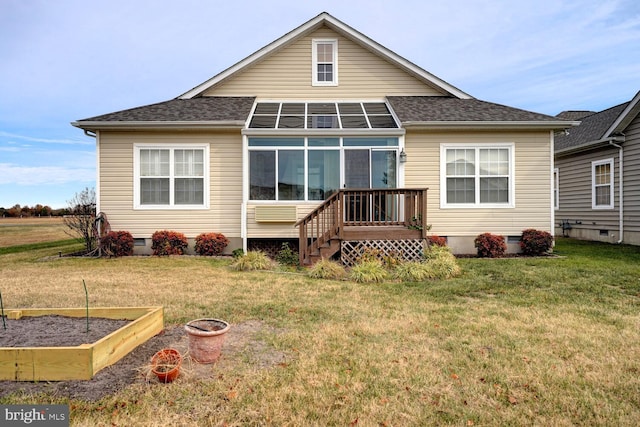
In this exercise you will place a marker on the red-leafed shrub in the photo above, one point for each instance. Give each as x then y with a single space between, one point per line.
168 243
535 242
211 244
437 240
117 243
490 245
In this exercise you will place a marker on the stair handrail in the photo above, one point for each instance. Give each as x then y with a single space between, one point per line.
319 225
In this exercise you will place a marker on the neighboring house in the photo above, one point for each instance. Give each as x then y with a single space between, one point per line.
597 175
325 137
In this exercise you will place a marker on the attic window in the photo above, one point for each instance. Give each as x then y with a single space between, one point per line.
325 62
322 115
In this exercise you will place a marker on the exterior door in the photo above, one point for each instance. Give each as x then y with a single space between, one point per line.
357 175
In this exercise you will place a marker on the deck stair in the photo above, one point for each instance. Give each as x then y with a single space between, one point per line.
361 214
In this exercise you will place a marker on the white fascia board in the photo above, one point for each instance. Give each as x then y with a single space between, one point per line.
347 31
489 124
230 124
590 145
254 57
325 132
626 116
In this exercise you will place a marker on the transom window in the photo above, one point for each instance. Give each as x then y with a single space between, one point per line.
322 115
168 177
477 176
325 62
602 184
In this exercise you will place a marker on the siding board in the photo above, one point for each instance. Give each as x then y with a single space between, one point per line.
287 74
225 198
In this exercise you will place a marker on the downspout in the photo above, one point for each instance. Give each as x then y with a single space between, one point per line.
94 135
245 192
620 187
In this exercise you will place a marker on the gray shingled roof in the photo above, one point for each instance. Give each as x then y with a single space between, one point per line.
574 114
407 108
592 128
205 109
449 109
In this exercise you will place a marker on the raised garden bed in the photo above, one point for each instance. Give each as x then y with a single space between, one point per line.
81 362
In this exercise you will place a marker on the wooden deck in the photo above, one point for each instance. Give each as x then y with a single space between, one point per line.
362 214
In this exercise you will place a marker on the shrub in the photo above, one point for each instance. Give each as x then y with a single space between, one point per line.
327 269
286 256
117 243
210 244
535 242
368 271
412 271
444 267
437 240
490 245
237 253
168 243
435 252
252 260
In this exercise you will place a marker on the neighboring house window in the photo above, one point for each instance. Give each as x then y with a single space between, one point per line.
556 188
325 62
477 175
602 184
170 177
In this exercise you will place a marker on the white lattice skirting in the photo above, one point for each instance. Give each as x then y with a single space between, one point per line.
406 250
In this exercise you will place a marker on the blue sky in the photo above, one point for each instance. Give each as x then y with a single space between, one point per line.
66 60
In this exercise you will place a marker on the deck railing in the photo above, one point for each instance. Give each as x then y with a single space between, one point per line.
361 207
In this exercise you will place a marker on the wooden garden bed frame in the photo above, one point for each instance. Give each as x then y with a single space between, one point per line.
84 361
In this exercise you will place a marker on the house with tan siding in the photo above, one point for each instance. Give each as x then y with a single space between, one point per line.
326 139
597 175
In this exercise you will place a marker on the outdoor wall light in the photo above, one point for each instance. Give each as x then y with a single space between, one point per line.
403 156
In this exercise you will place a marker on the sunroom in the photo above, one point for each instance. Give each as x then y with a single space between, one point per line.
320 156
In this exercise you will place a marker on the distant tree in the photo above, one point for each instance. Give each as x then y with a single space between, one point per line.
81 218
14 211
39 210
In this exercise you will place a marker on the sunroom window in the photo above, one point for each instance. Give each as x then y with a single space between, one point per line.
322 115
313 168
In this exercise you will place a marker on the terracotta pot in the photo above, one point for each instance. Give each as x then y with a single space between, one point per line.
206 337
165 364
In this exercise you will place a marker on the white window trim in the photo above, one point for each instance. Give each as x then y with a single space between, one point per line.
477 205
400 181
594 164
314 62
167 146
556 189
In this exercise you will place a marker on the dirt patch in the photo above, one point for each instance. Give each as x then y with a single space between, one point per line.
55 331
243 340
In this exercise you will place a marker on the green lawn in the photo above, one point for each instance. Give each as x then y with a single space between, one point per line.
514 341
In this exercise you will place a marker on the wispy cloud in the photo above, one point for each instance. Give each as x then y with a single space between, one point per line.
43 175
9 136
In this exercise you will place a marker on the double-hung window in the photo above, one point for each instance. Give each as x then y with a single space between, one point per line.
170 177
325 62
477 175
602 184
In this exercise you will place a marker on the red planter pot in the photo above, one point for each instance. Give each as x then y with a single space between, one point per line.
165 364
